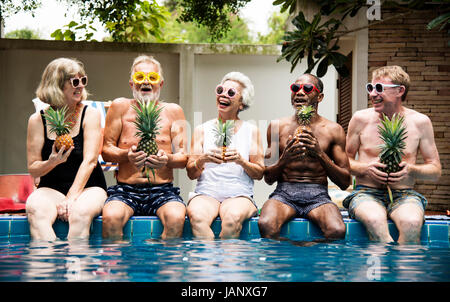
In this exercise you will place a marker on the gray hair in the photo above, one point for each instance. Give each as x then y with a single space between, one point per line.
146 59
248 91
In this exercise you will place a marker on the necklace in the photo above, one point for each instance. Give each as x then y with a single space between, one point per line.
73 118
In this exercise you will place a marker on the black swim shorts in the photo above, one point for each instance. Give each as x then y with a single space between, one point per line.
144 199
303 197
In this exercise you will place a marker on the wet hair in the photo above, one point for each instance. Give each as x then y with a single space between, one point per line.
319 82
396 74
248 91
146 59
57 72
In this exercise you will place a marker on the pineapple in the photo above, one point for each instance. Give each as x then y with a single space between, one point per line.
57 123
393 133
304 115
147 125
224 133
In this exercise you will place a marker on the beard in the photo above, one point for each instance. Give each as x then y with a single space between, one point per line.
146 97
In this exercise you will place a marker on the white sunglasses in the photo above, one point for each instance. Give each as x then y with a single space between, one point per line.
379 87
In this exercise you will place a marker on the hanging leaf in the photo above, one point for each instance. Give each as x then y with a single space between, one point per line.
322 68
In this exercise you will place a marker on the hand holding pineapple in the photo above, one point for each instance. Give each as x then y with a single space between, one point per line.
309 143
292 151
61 156
157 161
141 160
232 155
400 175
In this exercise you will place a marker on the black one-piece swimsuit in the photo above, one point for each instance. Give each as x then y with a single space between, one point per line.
63 175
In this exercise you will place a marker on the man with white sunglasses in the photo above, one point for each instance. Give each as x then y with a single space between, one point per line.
369 203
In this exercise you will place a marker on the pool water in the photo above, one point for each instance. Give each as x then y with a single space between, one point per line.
179 260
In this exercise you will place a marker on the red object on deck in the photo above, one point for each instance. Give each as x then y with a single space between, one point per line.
14 191
7 205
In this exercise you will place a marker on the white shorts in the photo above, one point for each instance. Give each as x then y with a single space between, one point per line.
219 197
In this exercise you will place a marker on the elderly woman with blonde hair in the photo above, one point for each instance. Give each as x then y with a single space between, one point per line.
225 176
72 186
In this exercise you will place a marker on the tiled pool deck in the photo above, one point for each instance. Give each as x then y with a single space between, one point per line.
297 229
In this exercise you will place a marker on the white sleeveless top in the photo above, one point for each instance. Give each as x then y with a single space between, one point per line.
226 180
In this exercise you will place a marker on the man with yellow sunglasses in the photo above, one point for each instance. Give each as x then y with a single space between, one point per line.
135 194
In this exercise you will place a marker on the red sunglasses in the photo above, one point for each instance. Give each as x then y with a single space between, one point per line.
307 88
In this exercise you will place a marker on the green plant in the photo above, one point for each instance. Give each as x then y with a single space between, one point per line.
126 21
24 33
316 42
212 14
320 42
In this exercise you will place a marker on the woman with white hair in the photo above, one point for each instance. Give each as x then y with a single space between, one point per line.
225 179
72 186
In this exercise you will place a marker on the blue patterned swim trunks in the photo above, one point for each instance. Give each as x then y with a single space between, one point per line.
303 197
381 196
144 199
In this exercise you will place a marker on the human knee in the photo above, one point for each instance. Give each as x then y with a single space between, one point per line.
112 216
335 231
231 221
195 216
79 217
35 207
409 223
175 217
266 226
373 219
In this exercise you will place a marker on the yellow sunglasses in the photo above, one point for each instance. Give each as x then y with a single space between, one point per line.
140 77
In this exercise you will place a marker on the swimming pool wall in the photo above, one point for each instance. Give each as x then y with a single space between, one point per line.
297 229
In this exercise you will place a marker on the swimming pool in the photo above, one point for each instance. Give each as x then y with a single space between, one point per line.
254 260
140 258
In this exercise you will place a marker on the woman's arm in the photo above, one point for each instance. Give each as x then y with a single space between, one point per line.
198 159
35 142
91 148
254 166
178 159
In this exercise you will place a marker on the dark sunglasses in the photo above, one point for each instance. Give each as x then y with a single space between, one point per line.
76 81
379 87
231 92
307 88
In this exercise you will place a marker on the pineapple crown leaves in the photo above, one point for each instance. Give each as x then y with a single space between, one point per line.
224 132
147 119
57 120
304 114
393 133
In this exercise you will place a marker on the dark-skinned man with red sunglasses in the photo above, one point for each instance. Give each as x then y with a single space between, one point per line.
304 165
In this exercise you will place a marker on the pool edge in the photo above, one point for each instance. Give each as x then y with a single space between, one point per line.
296 229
